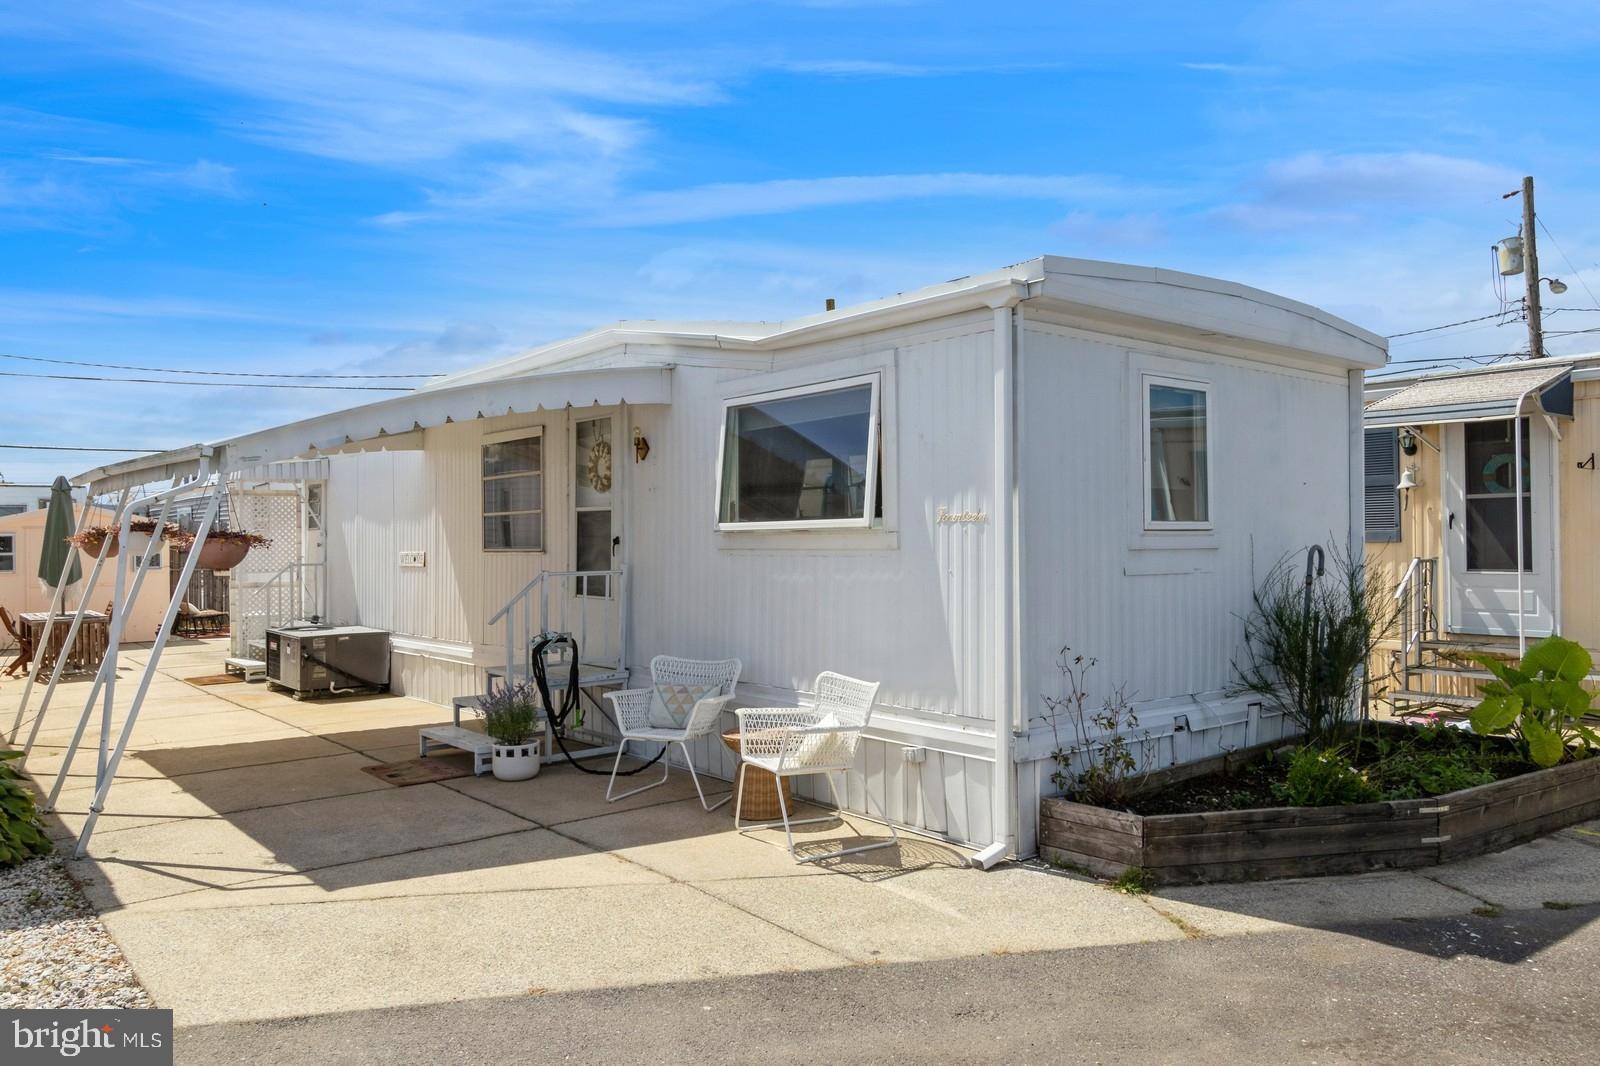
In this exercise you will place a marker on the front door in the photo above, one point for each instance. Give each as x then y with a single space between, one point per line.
1481 511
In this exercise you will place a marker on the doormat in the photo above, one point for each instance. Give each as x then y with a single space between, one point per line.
423 771
215 679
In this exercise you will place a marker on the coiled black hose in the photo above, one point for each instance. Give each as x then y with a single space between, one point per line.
570 700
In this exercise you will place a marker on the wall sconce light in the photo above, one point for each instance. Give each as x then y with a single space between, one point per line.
641 447
1408 441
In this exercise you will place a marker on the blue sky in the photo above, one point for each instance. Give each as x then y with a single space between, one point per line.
416 187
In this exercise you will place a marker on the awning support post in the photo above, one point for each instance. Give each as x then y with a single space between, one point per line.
77 622
55 605
191 557
106 676
72 631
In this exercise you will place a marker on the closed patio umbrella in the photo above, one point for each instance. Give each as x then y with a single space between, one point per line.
54 552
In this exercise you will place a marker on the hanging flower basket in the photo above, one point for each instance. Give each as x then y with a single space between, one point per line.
140 529
224 549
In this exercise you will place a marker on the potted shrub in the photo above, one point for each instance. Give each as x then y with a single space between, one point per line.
511 720
140 529
224 549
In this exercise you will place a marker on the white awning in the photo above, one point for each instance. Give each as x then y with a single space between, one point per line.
1477 396
393 424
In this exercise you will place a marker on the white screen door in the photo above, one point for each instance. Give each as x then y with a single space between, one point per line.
1481 511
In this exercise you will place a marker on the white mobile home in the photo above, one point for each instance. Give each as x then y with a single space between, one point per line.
937 491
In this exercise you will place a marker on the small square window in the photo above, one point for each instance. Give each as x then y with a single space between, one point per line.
513 495
1177 461
803 458
8 553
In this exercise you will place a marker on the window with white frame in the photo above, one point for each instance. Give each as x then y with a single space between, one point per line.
8 553
1177 460
802 458
513 494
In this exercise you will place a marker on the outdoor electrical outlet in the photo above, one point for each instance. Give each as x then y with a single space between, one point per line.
1180 724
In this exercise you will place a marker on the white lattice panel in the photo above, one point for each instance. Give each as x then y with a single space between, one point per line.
268 588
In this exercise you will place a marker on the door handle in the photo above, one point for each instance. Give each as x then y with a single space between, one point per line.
1452 524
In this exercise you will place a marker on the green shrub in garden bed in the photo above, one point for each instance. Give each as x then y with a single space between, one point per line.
21 835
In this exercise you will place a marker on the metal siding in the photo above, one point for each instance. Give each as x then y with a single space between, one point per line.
1280 481
915 614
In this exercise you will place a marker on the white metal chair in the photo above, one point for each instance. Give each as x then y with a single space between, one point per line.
674 679
820 739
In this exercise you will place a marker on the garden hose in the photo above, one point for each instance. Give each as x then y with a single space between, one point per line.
570 703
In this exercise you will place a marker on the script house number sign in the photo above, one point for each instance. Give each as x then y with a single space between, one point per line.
962 518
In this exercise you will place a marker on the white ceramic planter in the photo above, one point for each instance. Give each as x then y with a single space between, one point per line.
138 542
515 762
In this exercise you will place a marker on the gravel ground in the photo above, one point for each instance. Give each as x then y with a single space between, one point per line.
53 950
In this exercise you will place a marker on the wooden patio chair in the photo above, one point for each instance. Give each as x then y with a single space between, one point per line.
24 645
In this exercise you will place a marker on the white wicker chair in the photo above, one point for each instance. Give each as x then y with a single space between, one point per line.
633 715
820 739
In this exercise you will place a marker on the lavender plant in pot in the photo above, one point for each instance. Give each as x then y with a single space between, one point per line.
511 720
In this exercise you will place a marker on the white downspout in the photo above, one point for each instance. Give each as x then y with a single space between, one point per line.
1004 791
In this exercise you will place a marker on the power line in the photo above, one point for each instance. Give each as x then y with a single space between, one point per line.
207 373
206 384
72 448
1447 325
1576 273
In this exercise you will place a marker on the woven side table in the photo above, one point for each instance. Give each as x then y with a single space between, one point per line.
760 788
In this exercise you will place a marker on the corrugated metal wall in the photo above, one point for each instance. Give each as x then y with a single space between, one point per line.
911 606
1164 618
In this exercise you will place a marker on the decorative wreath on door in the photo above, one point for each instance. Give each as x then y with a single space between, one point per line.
599 469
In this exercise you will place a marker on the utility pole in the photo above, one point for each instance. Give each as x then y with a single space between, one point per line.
1530 273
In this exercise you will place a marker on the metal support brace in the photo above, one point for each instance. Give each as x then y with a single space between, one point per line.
105 677
103 787
55 605
77 621
108 666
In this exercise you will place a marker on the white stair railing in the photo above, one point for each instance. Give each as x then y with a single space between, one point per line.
552 600
1419 622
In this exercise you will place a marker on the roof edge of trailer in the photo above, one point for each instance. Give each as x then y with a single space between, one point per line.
391 424
1087 282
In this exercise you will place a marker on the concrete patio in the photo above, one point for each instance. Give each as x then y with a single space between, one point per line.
250 871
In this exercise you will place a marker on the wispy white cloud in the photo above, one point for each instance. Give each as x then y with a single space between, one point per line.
703 203
1230 68
878 68
1322 189
383 91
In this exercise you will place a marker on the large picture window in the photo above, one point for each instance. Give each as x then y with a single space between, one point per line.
513 494
803 458
1177 461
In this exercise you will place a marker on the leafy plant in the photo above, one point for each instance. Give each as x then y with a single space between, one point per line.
1323 777
1306 645
511 713
1102 768
21 835
1134 881
185 539
89 537
1540 702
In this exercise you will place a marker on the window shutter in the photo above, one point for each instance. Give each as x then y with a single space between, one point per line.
1383 474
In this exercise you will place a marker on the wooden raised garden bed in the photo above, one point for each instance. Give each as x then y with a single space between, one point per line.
1253 845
